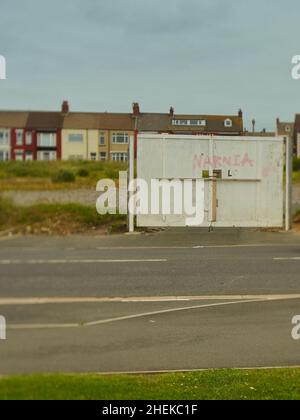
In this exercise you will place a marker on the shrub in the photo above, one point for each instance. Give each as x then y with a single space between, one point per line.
64 176
6 211
111 173
83 173
296 164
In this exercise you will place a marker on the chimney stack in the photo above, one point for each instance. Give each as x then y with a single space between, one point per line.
253 125
240 113
136 109
172 111
65 109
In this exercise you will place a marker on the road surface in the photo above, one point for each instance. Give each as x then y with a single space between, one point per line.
175 300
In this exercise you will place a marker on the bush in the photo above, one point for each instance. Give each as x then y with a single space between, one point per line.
111 173
83 173
64 176
296 164
6 211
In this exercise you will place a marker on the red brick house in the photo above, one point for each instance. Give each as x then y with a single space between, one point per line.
33 135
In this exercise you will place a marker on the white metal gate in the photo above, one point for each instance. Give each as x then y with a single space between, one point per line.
243 177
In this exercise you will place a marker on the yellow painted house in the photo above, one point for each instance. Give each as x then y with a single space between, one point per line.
96 136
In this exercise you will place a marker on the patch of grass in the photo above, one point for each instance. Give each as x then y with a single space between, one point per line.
33 175
54 218
276 384
111 173
64 176
296 177
6 211
118 227
296 170
296 164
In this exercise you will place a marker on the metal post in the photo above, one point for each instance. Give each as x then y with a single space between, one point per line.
130 179
289 186
212 217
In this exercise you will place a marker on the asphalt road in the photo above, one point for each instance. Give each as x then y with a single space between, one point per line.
167 301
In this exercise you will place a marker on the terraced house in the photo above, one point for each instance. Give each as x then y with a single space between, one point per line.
96 136
67 135
32 135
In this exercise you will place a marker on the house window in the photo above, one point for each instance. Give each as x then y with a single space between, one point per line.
288 129
228 123
119 157
28 138
19 155
192 123
76 138
103 156
46 140
3 156
28 156
93 156
102 139
180 122
4 138
120 138
46 156
199 123
19 137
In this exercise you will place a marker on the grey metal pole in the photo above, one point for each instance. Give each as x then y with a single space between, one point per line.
289 184
131 178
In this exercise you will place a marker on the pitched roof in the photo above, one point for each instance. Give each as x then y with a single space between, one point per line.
98 121
43 120
13 119
154 122
31 120
214 123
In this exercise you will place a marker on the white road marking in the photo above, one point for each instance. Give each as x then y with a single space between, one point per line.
128 248
162 312
41 326
134 316
287 259
136 248
39 262
11 301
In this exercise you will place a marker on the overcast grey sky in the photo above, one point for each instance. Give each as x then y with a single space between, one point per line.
201 56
